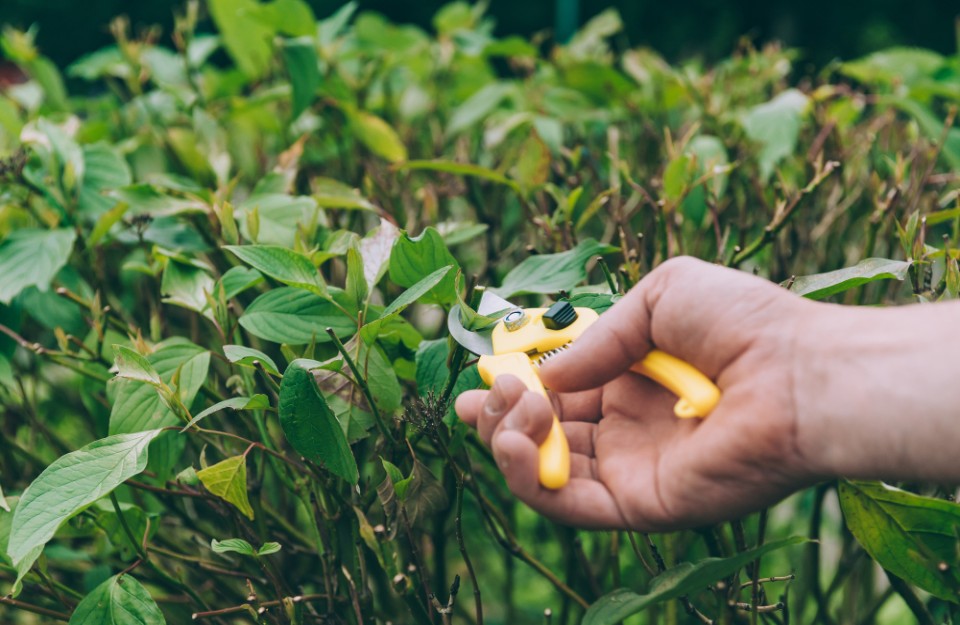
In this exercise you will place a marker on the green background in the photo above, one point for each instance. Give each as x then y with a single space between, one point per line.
821 29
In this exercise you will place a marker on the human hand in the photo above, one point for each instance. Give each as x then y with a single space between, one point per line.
634 464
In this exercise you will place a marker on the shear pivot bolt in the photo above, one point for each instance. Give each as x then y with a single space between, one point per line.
514 320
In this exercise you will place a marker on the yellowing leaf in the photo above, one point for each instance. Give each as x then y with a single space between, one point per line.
228 480
378 136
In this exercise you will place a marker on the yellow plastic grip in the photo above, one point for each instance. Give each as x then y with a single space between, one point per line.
698 395
554 451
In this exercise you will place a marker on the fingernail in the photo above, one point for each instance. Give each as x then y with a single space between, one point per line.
494 404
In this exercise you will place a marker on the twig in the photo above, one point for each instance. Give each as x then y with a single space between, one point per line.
478 605
266 604
910 597
35 609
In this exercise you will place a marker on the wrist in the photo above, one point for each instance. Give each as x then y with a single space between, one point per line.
874 392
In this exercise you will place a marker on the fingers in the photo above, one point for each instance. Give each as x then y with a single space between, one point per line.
583 502
610 346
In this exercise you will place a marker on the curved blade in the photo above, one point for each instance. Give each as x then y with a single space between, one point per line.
475 342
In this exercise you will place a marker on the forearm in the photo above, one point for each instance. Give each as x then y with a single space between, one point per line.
877 391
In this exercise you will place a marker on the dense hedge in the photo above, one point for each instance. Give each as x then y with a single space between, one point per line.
224 364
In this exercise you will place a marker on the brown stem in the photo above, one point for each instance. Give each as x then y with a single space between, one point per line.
35 609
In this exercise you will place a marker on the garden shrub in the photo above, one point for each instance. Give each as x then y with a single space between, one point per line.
225 265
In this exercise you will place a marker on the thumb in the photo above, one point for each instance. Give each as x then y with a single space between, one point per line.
619 339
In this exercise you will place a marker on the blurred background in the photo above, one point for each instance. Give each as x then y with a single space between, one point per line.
821 30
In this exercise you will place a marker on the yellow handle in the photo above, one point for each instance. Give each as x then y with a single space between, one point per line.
698 395
554 451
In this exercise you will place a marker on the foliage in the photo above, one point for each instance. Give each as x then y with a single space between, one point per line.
196 215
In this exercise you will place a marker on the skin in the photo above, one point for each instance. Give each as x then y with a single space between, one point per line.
811 391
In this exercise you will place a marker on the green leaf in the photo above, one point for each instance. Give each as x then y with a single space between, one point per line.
599 302
296 317
69 485
268 548
280 217
370 331
678 176
138 407
412 259
282 264
104 170
379 137
909 535
257 402
241 355
432 370
228 480
931 126
32 258
238 279
462 169
310 425
300 58
551 273
145 199
121 600
356 286
330 193
232 545
533 163
245 33
683 579
375 249
133 366
897 65
186 285
423 495
821 285
478 106
775 126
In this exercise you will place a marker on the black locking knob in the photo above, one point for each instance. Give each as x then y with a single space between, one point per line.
559 316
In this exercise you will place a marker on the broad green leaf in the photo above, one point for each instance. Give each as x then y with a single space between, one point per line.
822 285
412 259
533 163
32 258
462 169
478 106
374 367
775 126
135 518
186 285
711 155
279 217
233 545
245 33
330 193
432 370
379 137
269 548
296 317
104 170
370 331
133 366
552 273
257 402
282 264
909 535
238 279
599 302
897 65
228 480
309 424
331 28
121 600
138 406
683 579
145 199
300 58
241 355
69 485
3 503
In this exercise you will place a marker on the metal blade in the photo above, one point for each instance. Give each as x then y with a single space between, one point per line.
490 304
475 342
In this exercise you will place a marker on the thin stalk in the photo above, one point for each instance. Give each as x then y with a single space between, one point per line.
362 383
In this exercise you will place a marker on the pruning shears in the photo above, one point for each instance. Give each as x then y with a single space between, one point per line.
523 338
